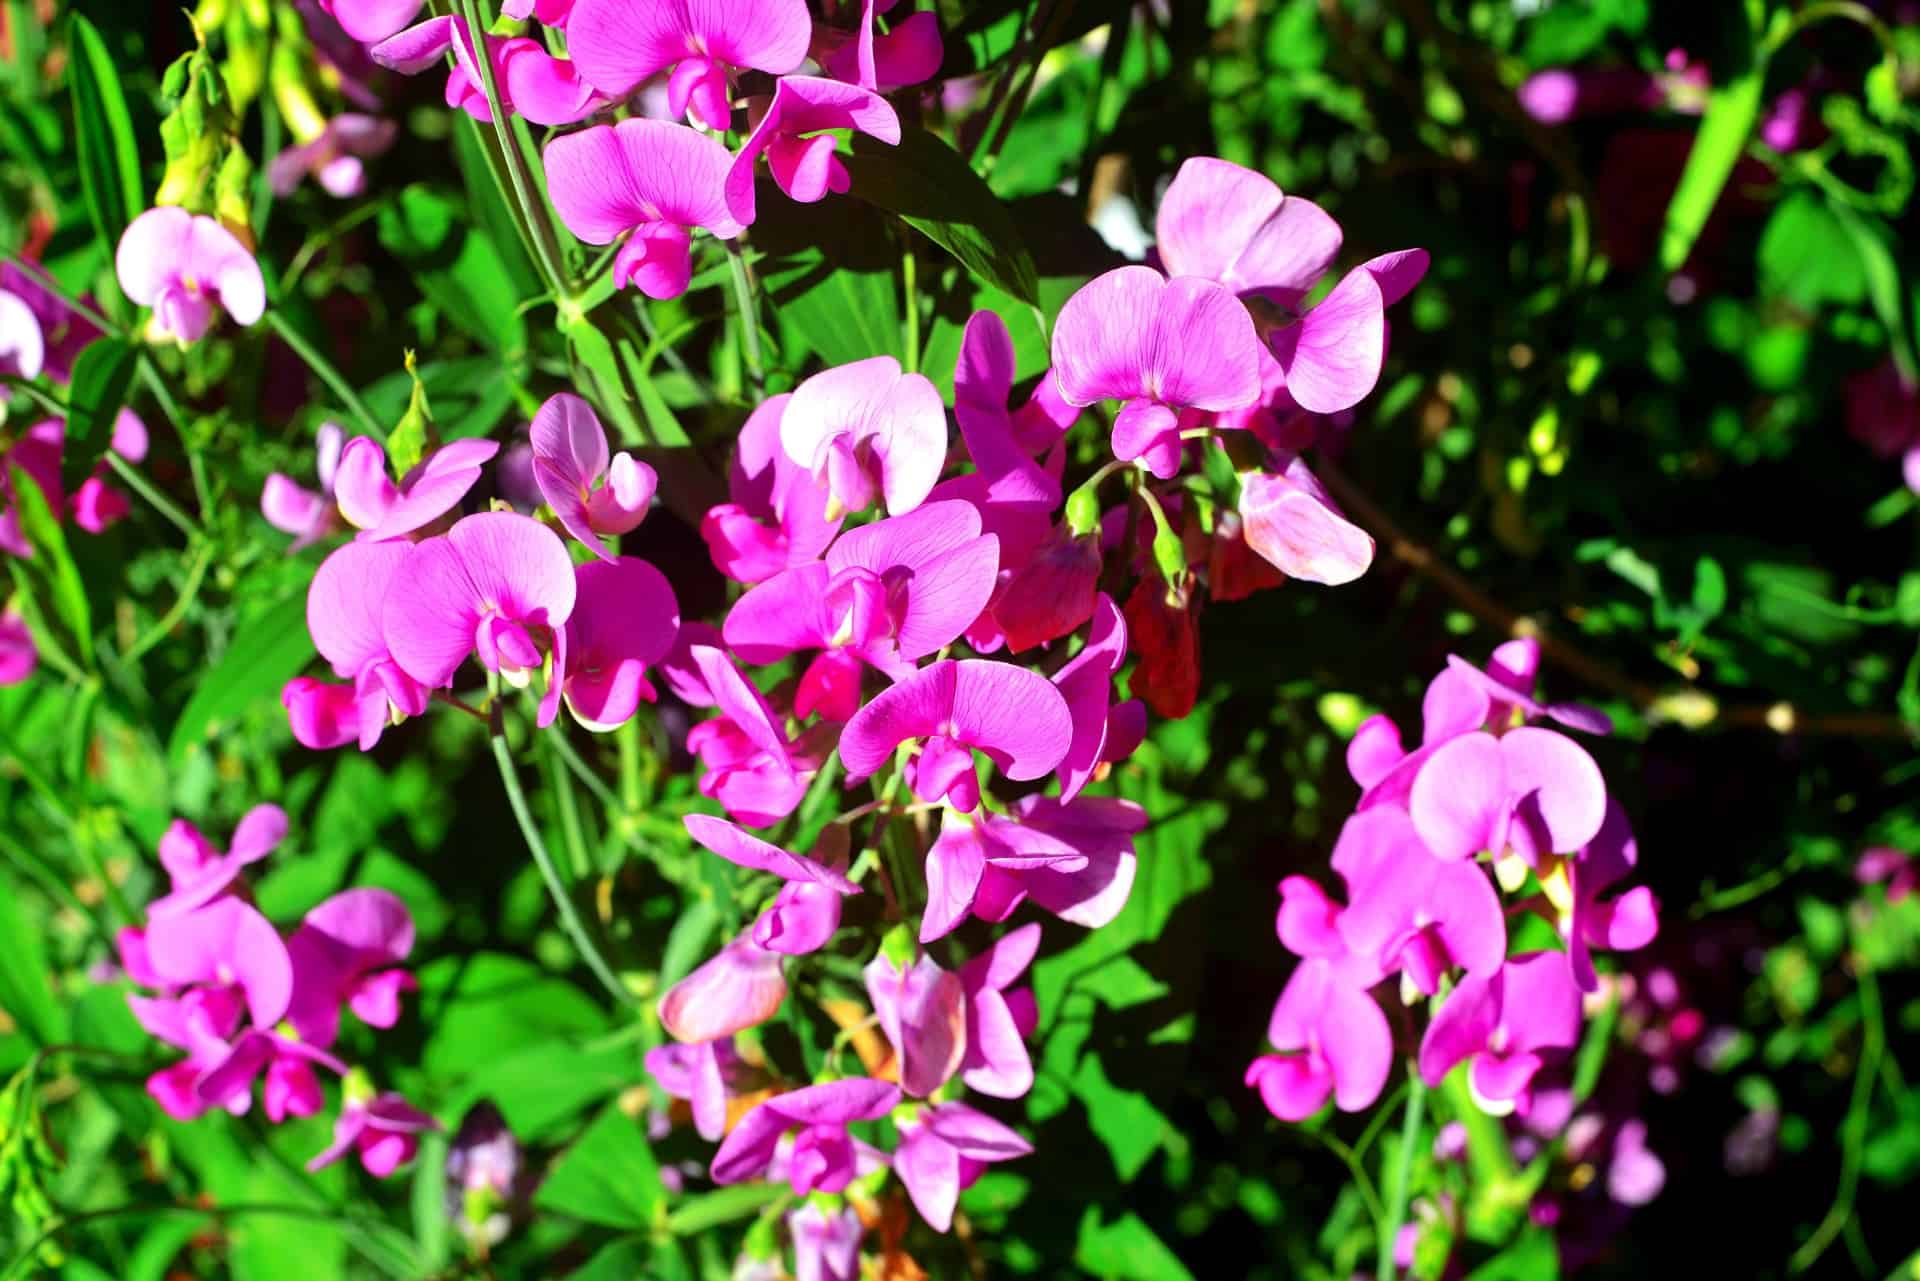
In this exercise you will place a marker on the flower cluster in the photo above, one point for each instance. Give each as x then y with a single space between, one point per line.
1491 801
246 1001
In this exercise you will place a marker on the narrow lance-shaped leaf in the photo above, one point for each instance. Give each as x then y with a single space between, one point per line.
101 378
109 153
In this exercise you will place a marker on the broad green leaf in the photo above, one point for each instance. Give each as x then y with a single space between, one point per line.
53 563
622 1260
26 992
1532 1257
1125 1250
608 1176
101 377
266 652
477 1005
850 315
457 264
933 189
1569 31
104 138
1806 257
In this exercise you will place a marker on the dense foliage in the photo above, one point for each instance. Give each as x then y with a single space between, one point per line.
919 638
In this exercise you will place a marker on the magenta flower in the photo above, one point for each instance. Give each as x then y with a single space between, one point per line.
1506 1027
619 43
704 1074
624 619
750 765
1100 829
983 377
1624 923
1050 596
802 918
866 429
199 1022
793 130
1505 687
336 159
532 83
888 594
18 654
58 333
36 455
294 509
349 951
1531 791
1411 911
968 845
371 21
1333 354
826 1247
23 345
1013 715
923 1010
739 987
1293 523
384 1129
1560 94
907 53
1883 413
998 1021
345 611
498 585
590 493
824 1154
1335 1042
1161 346
290 1088
1895 867
776 517
658 181
1086 683
225 944
180 265
379 509
806 912
746 850
944 1149
199 872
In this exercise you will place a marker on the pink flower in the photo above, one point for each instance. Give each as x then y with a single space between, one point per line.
1086 683
1411 911
199 1022
58 333
379 509
336 158
1560 94
776 516
944 1149
967 847
1292 522
1013 715
346 604
619 43
1100 829
864 429
18 654
658 181
532 83
1885 863
180 265
751 768
824 1154
385 1130
704 1074
624 619
497 585
826 1247
907 53
371 21
739 987
792 129
349 951
887 595
1508 1026
1624 923
199 872
1531 791
293 509
923 1010
23 345
1048 596
998 1021
225 944
590 494
1161 346
807 911
1335 1042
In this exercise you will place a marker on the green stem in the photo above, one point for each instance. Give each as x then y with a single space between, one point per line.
1398 1187
582 771
910 296
48 403
568 805
157 500
323 370
189 591
163 396
1853 1139
562 901
744 302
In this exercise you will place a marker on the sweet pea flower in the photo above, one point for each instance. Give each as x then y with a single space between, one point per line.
802 918
1411 911
59 333
657 180
294 509
776 516
349 950
18 654
619 43
739 987
1335 1042
866 429
1507 683
1161 346
1506 1027
1895 867
705 1074
346 605
1883 413
224 944
826 1246
998 1021
1086 683
1295 526
824 1154
589 492
23 346
1624 923
1049 596
1100 829
335 158
180 265
887 595
199 872
751 768
379 509
624 619
199 1022
793 130
746 850
371 21
497 585
290 1089
983 378
923 1011
1530 791
383 1128
807 911
1012 714
944 1149
967 846
532 83
1559 94
909 52
36 456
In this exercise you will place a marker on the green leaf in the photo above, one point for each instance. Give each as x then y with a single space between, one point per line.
109 154
1805 257
933 189
101 377
622 1260
1733 106
1884 290
266 652
1569 31
722 1205
607 1177
1533 1257
53 563
25 991
1125 1250
457 263
848 316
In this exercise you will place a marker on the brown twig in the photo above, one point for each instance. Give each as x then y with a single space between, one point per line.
1703 710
